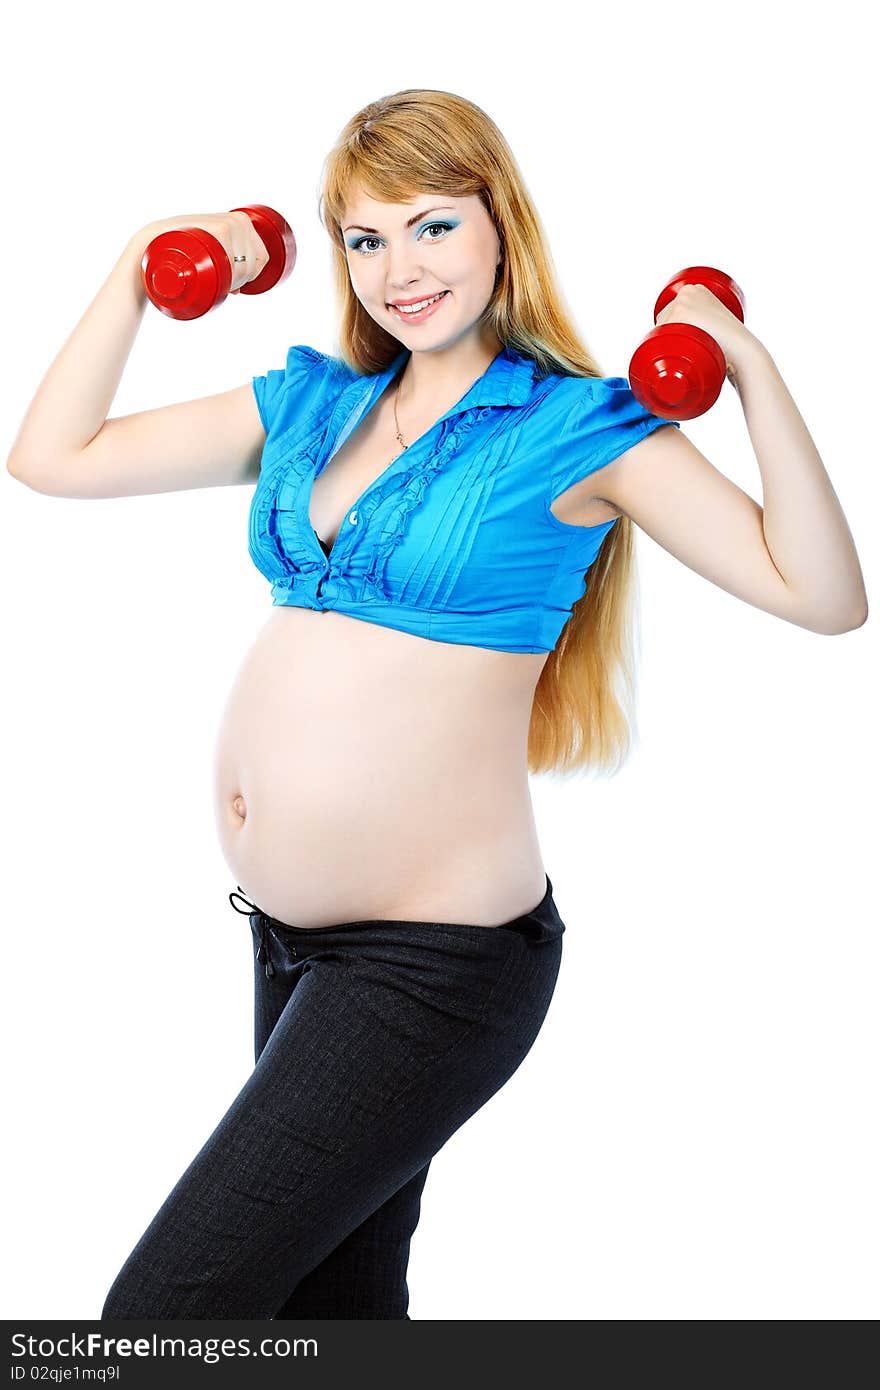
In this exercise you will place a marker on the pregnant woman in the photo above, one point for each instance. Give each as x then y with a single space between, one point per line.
445 511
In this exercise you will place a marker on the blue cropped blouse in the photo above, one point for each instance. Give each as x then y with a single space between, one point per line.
455 541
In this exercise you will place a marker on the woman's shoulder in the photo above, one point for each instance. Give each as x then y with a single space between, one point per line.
303 386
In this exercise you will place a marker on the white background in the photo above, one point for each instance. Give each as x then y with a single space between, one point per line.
694 1133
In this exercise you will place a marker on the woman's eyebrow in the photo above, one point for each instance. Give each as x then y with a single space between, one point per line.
354 226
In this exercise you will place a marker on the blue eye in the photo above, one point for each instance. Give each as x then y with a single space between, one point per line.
356 245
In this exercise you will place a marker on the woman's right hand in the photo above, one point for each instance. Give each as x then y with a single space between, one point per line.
234 230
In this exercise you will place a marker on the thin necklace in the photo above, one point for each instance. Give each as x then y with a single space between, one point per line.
400 438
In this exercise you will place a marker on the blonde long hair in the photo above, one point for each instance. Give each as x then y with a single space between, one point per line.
583 711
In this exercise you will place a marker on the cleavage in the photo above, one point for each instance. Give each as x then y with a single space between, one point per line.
364 457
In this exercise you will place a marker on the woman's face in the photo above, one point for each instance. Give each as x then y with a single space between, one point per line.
451 246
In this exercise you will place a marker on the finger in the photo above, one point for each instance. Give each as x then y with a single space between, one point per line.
242 269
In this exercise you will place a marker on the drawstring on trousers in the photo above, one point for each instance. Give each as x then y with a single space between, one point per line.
263 954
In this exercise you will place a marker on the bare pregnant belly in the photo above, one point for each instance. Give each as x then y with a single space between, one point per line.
361 772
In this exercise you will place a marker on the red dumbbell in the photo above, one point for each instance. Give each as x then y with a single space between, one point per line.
186 272
678 370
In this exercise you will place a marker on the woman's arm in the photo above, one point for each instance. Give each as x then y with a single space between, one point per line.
793 557
72 401
65 445
804 526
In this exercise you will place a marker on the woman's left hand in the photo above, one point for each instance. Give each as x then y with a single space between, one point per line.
698 305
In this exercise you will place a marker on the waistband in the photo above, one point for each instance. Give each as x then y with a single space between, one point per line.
541 923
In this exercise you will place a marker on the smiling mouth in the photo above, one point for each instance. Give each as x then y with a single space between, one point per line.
425 304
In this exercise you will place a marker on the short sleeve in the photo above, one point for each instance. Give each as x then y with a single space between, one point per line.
604 421
302 377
